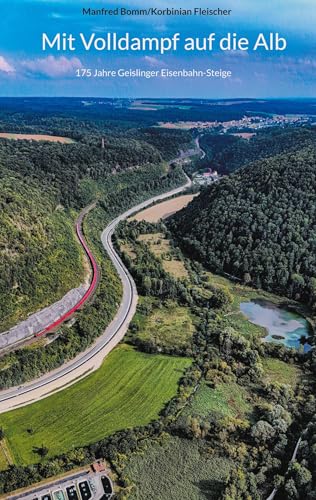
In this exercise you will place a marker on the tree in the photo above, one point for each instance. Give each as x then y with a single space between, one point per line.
291 489
262 431
241 486
43 451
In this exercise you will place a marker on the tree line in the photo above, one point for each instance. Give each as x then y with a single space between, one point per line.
259 225
227 153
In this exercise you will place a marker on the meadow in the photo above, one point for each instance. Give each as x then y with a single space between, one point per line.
170 326
225 400
36 137
160 246
277 370
128 390
179 467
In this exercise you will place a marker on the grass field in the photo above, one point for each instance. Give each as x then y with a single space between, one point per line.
226 400
5 455
128 390
160 246
279 371
36 137
168 326
177 470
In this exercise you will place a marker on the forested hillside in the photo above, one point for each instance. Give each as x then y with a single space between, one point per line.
62 166
42 187
40 259
259 225
227 153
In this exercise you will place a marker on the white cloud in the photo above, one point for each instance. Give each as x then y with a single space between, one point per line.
154 62
5 66
56 15
52 66
303 65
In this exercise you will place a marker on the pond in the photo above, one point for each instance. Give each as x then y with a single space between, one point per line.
282 326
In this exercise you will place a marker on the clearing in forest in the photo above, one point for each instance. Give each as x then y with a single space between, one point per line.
36 137
164 209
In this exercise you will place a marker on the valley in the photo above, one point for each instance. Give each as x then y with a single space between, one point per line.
191 369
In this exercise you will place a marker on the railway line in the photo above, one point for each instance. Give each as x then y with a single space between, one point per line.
91 359
93 283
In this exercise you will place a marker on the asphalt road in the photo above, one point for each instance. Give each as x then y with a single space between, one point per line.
92 358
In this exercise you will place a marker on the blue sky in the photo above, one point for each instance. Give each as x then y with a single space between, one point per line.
26 70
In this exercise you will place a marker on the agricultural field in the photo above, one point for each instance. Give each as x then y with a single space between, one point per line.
244 135
179 466
3 461
164 209
159 245
170 326
187 125
36 137
156 106
110 399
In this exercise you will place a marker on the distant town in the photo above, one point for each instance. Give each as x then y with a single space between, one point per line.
246 123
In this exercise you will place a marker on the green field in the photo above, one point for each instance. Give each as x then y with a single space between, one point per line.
177 470
225 400
281 372
160 246
169 326
3 461
5 457
128 390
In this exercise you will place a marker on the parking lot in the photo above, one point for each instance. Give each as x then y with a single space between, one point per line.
81 486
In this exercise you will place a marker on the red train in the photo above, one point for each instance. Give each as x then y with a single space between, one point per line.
89 292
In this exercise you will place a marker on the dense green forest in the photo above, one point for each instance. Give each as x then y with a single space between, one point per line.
62 166
44 184
259 225
40 259
226 153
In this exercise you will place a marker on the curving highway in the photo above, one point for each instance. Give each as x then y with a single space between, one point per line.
92 358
